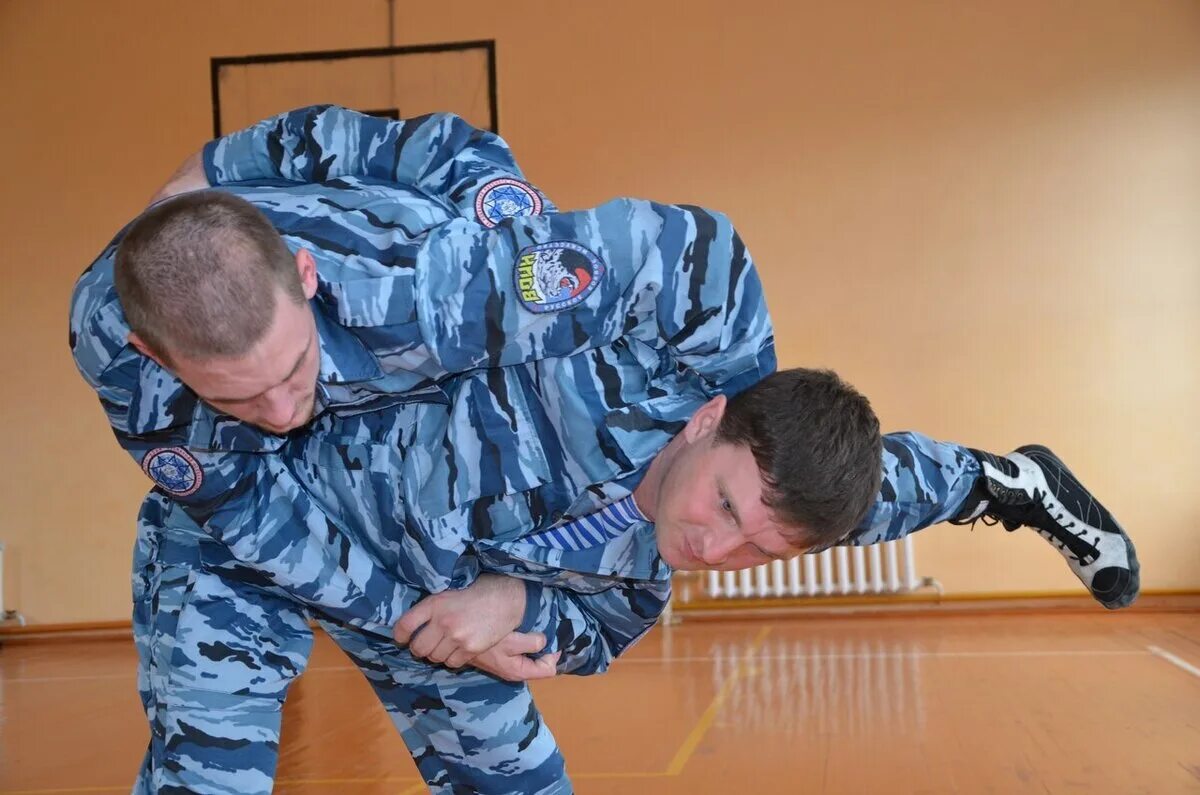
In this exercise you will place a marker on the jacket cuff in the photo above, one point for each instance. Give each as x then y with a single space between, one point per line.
533 606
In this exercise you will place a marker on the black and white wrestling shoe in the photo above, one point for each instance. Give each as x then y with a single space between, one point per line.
1032 487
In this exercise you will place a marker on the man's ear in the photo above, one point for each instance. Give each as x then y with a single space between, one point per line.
306 266
706 419
146 350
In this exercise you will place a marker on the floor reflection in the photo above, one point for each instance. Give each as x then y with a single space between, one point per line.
851 687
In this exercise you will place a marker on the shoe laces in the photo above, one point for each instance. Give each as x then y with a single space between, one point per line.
989 519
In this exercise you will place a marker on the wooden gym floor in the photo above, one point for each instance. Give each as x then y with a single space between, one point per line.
1029 703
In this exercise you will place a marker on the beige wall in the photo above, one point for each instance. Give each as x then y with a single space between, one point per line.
982 213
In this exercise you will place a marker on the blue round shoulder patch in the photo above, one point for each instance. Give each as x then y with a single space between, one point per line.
174 469
557 275
506 198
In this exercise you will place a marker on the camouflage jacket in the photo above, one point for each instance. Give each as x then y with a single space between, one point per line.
489 367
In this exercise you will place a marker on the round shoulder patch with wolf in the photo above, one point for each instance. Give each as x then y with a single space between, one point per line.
557 275
506 198
174 469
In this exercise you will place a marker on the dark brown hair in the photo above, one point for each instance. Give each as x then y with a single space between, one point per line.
818 448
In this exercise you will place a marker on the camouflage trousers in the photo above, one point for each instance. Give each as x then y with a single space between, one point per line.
219 648
218 653
924 482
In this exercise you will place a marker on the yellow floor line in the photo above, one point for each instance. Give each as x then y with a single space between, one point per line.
706 720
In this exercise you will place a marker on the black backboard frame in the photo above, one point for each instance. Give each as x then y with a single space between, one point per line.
488 45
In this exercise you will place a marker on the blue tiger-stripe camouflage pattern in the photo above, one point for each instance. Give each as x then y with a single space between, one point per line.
481 379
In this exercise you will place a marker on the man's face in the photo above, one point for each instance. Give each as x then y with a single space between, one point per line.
709 513
274 385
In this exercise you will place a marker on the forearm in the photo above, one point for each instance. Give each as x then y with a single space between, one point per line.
442 155
277 534
591 630
316 562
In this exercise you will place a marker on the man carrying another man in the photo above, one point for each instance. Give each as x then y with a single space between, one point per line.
382 366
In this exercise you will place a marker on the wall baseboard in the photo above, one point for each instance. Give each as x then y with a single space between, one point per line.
90 630
1159 601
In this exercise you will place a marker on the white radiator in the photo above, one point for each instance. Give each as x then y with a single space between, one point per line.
887 568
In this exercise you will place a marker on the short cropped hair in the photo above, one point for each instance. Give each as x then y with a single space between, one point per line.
818 448
197 275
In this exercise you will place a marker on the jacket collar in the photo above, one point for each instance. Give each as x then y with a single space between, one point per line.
345 359
631 555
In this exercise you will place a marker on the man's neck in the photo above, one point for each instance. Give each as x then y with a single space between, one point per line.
647 493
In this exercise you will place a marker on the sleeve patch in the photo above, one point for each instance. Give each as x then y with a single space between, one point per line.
174 469
506 198
557 275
